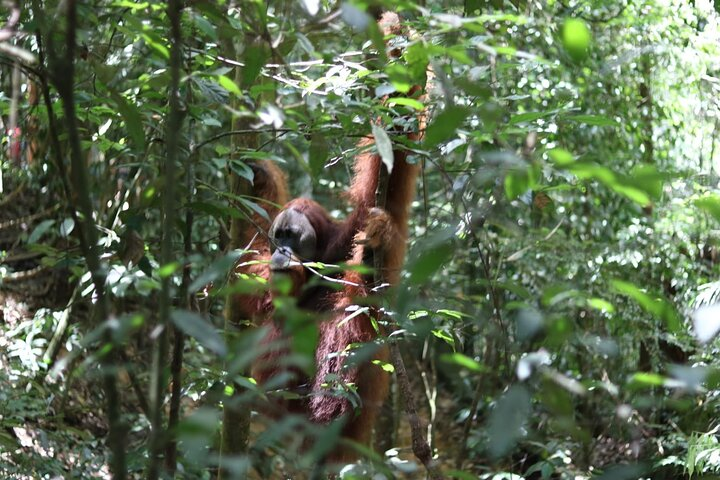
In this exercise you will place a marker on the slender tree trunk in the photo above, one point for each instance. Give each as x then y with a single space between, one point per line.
236 418
173 126
62 73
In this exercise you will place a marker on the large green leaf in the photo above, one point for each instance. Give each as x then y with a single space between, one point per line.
200 329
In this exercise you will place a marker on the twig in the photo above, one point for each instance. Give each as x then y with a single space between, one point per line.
19 257
10 28
27 219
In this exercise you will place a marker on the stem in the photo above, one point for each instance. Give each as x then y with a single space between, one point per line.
420 446
179 336
173 127
62 73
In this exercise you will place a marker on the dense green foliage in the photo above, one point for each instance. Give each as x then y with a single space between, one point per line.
560 296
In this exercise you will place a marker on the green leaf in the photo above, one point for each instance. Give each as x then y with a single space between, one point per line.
600 304
517 182
561 157
656 306
430 261
200 329
255 58
218 269
529 117
242 169
416 57
408 102
445 125
38 232
387 367
648 379
596 120
647 178
576 38
445 337
384 146
507 420
399 77
132 118
318 154
8 442
463 361
132 6
156 45
229 85
169 269
66 227
204 26
710 204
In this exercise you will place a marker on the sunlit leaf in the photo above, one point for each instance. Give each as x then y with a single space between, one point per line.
444 336
229 85
528 363
386 367
169 269
312 6
600 304
561 157
463 361
131 118
706 322
576 38
408 102
656 306
156 45
648 379
66 227
384 146
710 204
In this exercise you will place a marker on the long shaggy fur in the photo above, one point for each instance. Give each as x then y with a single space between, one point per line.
386 231
380 230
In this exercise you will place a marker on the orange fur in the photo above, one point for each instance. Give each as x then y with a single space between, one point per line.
270 185
383 230
366 227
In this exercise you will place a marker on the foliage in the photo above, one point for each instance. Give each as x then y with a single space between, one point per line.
564 234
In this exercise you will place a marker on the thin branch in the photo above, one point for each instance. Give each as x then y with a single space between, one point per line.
10 28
